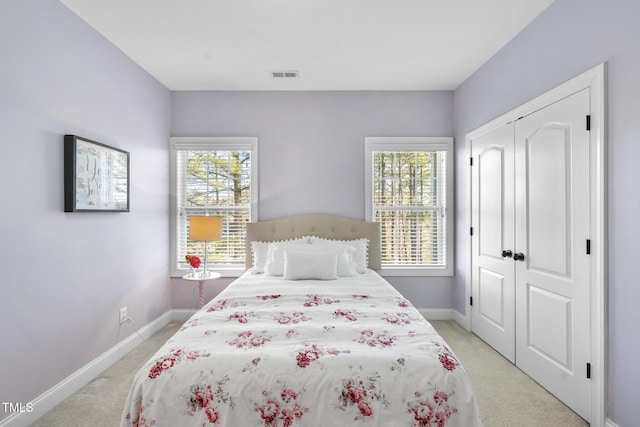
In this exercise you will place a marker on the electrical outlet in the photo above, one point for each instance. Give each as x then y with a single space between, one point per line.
123 315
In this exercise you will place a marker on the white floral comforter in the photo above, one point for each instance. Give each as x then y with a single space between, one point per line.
269 352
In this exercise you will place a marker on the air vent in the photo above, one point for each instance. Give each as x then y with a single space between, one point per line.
291 74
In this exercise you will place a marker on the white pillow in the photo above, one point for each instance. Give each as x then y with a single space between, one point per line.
361 256
345 256
304 265
259 255
275 255
260 250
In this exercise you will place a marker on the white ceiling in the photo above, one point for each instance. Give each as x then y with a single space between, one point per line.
334 44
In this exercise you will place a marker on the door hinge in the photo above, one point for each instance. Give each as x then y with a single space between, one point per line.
470 300
588 122
588 246
588 370
470 161
471 231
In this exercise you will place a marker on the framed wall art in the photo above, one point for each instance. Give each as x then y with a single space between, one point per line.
96 176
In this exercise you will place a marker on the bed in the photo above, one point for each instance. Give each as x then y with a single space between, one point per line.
327 343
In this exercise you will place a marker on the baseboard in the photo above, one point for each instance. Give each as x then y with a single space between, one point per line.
181 315
444 314
436 313
609 423
460 319
65 388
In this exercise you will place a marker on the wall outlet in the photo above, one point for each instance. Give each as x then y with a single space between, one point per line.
123 315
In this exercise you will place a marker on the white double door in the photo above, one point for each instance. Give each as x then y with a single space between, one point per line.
530 236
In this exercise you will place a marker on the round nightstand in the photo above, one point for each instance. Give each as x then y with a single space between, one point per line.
201 281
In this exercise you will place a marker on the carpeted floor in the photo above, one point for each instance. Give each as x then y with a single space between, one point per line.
507 397
100 403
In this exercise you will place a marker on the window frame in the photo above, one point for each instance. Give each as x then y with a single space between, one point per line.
401 144
215 144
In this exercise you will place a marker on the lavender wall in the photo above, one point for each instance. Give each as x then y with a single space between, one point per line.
570 37
311 150
64 275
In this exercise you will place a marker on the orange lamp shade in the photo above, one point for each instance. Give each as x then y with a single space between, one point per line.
205 228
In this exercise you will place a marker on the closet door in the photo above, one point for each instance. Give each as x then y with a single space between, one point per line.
492 283
552 265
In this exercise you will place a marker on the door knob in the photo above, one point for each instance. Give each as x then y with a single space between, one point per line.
507 253
518 256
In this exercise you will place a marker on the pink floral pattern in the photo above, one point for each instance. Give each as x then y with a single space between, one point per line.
431 410
344 352
316 300
190 324
308 355
161 366
346 313
139 420
203 397
290 333
446 357
312 352
167 362
268 297
224 304
376 339
280 410
249 339
403 302
293 318
360 393
240 316
399 319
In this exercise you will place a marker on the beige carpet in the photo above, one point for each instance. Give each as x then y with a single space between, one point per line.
100 403
507 397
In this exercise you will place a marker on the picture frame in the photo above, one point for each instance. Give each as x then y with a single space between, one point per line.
96 176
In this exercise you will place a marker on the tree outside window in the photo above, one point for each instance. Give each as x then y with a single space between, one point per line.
214 177
409 195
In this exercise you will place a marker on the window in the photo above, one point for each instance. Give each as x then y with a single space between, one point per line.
213 176
409 191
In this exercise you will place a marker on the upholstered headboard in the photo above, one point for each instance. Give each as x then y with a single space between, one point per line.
320 225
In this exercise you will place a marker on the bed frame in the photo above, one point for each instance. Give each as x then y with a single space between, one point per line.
320 225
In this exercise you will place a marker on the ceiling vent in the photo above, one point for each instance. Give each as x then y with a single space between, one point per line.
291 74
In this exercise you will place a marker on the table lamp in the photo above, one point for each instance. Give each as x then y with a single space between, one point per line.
205 229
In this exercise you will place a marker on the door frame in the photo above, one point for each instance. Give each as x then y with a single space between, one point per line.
594 79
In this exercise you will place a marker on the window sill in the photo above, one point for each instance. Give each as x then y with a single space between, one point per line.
415 271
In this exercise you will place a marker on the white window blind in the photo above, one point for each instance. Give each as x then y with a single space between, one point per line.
409 193
213 177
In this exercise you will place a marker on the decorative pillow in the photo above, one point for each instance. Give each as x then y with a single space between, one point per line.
275 255
260 250
305 265
346 257
259 256
344 254
361 256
